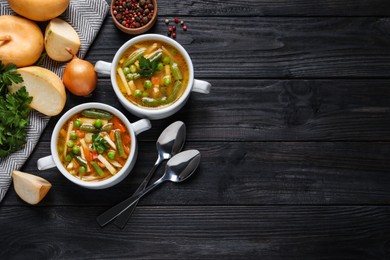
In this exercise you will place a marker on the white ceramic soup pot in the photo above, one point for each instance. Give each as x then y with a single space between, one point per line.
194 85
134 129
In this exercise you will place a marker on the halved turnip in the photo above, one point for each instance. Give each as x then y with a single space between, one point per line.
45 87
60 35
30 188
21 41
39 10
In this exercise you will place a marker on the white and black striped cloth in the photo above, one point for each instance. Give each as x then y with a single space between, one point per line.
86 16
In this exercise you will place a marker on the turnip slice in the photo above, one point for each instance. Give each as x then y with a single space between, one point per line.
60 35
30 188
45 87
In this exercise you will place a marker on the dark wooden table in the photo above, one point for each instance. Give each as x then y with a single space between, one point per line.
295 143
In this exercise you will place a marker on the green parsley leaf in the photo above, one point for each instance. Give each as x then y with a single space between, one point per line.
14 118
147 67
14 111
8 74
99 144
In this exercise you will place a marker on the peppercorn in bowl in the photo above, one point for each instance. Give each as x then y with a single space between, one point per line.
134 16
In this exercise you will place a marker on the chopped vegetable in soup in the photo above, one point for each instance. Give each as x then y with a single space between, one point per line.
93 145
152 74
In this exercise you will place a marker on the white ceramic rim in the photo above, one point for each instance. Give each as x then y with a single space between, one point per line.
69 114
152 112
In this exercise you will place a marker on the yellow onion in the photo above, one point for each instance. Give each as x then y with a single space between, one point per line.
79 76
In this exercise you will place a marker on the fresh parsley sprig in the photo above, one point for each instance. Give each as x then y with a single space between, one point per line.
14 117
99 144
147 67
8 74
14 111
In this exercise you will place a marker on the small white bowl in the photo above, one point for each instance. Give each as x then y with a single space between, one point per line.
133 128
195 85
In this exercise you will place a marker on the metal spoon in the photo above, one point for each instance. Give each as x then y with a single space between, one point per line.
178 169
169 143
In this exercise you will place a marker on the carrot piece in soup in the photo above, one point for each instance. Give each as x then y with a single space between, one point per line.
112 135
121 128
80 134
115 121
118 125
120 160
126 139
155 80
101 165
127 149
87 154
94 154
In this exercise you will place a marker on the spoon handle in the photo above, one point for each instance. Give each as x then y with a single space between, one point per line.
123 218
118 209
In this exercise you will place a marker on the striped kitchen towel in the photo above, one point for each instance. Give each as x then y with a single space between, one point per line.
86 16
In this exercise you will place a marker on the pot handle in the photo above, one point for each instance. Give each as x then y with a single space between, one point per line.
201 86
103 67
46 163
141 126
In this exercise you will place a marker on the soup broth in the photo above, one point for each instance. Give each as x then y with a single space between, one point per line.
93 145
152 74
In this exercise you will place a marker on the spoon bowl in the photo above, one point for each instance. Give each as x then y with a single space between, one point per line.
184 163
171 140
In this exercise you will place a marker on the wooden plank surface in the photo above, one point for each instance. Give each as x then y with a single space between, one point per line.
269 232
233 8
274 47
248 173
274 110
295 143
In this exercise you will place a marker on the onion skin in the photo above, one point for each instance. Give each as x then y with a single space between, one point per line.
80 77
39 10
21 41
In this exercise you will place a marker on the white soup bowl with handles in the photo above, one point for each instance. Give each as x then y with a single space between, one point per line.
193 85
134 129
